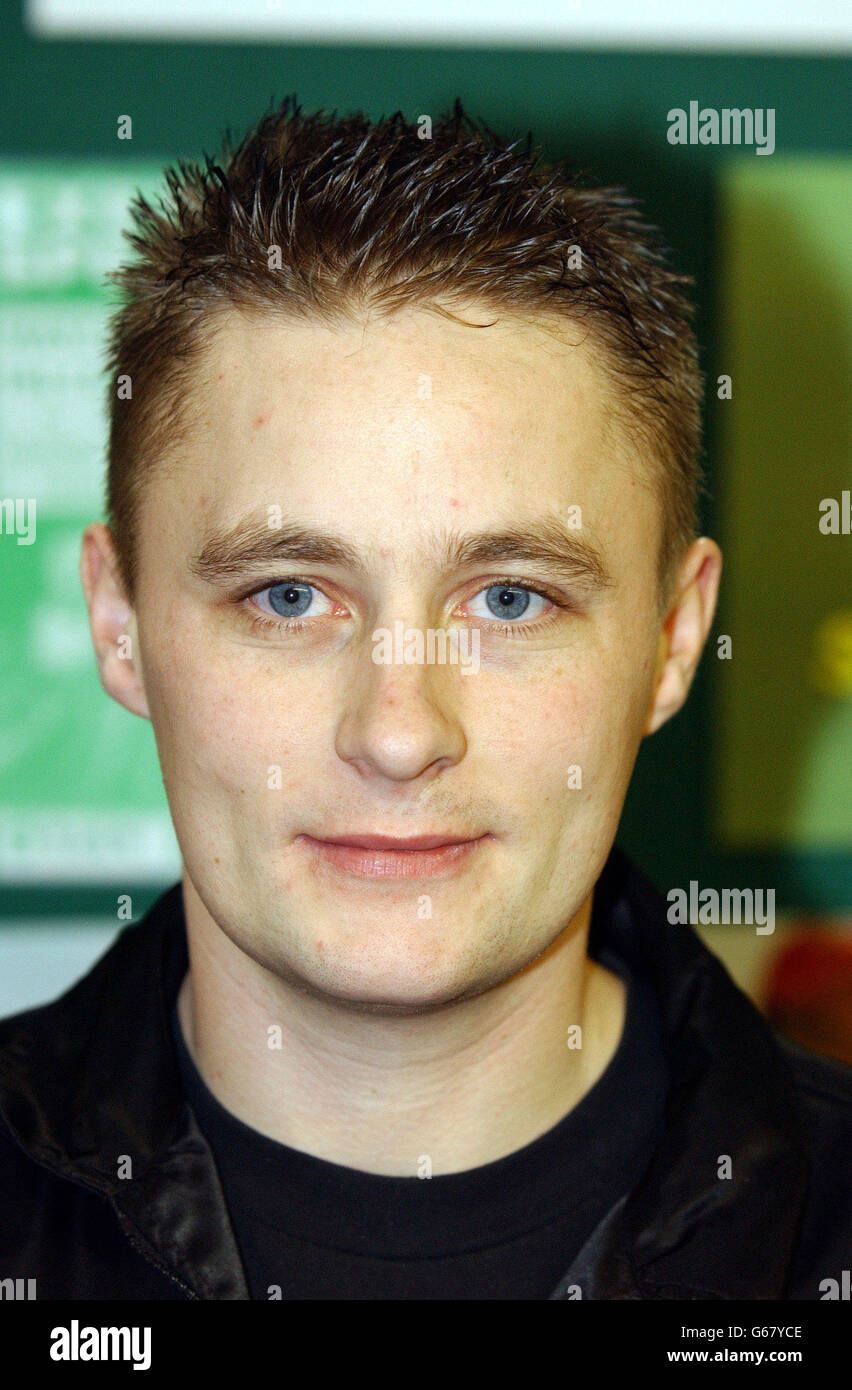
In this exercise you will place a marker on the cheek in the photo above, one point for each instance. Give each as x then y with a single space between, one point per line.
216 719
253 738
571 735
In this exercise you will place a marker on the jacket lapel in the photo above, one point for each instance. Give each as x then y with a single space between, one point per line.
90 1082
685 1231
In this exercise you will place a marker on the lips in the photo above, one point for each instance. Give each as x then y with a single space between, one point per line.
391 842
394 857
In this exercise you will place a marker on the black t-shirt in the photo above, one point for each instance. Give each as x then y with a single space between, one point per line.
505 1230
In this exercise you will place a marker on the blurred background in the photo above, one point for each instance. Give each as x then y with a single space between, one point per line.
751 785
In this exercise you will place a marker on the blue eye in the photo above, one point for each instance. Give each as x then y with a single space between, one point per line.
283 606
290 600
510 601
505 602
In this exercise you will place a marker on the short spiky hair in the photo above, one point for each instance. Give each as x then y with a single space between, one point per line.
377 217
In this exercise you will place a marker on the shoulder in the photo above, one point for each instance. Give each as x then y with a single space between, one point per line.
821 1080
823 1091
36 1207
824 1095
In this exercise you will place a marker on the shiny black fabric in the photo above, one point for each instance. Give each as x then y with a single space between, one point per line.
90 1081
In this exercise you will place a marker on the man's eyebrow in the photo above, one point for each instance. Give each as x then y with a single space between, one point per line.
253 544
549 543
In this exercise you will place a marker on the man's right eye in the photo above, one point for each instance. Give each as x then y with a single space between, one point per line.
290 598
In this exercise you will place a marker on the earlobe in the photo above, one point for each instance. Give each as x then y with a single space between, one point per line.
665 685
685 629
112 621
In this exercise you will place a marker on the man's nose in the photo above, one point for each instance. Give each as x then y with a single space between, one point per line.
401 719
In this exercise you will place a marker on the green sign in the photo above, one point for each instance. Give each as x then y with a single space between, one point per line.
81 798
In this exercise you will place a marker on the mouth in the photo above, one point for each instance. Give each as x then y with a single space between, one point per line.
386 856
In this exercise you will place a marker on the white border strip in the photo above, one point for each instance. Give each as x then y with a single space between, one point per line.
728 24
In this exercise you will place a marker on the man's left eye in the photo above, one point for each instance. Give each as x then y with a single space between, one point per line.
508 601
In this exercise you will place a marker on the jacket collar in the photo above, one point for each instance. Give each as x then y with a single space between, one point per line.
92 1079
684 1231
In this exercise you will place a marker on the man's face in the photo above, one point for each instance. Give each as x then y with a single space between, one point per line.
396 439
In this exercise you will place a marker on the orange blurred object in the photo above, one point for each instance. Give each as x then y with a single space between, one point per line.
808 992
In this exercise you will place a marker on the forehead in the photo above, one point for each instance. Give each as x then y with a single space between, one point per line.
416 363
414 416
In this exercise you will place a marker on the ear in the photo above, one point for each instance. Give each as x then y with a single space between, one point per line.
684 631
112 621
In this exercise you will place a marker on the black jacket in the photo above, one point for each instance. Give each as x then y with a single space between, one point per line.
91 1079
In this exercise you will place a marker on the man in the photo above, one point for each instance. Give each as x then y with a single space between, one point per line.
409 1027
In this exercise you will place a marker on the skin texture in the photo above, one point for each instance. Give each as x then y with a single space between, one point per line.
402 1034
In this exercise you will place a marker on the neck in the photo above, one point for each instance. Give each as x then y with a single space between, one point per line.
462 1085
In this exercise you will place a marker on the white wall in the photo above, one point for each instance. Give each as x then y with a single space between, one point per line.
40 959
761 24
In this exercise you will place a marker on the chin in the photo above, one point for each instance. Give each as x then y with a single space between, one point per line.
391 987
